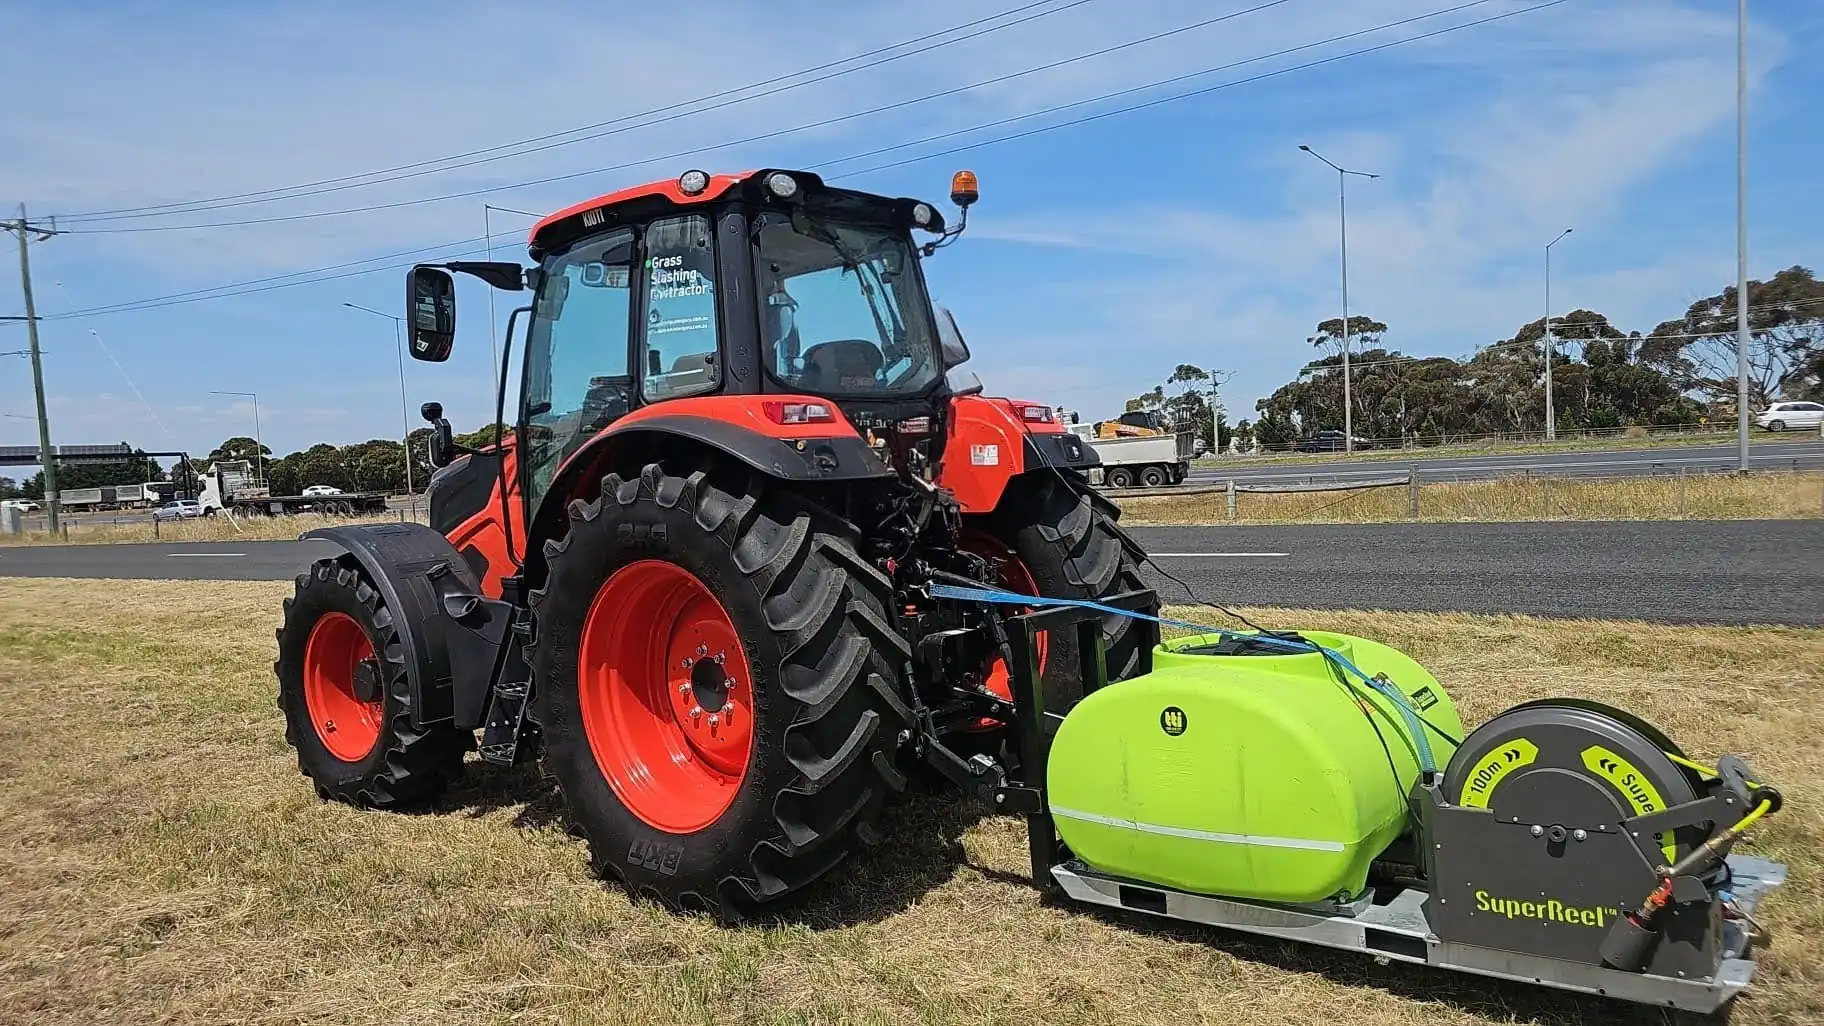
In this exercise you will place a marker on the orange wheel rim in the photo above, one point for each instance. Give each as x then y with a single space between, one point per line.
339 666
1015 577
667 696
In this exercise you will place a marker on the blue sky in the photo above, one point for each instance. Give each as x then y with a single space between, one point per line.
1101 254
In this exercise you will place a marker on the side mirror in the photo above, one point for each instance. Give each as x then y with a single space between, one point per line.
430 307
443 441
950 339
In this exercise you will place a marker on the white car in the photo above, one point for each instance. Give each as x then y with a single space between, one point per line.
322 490
22 505
1787 415
180 509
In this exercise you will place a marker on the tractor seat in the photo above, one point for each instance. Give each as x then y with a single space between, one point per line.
688 373
849 365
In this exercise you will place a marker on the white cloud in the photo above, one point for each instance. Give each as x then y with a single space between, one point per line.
1569 120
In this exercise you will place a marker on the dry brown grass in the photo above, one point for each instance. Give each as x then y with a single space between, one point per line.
1765 496
216 528
161 861
1631 438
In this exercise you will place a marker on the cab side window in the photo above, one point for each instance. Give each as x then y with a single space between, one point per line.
678 310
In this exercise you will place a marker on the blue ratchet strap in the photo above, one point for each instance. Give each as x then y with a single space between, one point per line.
1414 723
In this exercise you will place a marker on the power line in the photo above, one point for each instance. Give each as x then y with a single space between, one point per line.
1190 93
199 294
775 134
159 302
227 291
676 111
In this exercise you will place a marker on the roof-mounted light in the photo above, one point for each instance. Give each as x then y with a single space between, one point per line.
922 215
693 182
782 185
963 189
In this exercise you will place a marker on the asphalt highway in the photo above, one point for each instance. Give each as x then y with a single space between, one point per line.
1618 462
1726 572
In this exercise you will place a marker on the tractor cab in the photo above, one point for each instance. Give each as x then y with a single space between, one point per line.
769 283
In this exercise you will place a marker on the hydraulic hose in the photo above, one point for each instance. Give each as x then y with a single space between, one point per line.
1415 724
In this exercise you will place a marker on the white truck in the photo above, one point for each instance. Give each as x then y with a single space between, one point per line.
229 485
1147 461
80 498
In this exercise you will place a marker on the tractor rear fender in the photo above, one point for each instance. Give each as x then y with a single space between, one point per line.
991 443
453 635
741 426
735 426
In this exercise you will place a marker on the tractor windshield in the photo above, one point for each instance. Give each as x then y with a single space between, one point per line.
843 311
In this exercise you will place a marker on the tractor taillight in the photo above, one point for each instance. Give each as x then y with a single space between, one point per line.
799 413
1033 413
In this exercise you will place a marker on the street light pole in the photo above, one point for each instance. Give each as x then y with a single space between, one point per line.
1342 206
1741 235
1551 414
259 447
405 416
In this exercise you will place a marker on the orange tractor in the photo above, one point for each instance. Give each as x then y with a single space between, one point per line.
693 577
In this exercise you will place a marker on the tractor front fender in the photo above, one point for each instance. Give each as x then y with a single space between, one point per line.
989 445
452 634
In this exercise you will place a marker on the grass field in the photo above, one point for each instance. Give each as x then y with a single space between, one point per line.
161 860
1763 496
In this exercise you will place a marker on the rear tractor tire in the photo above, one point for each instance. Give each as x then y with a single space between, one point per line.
346 698
715 678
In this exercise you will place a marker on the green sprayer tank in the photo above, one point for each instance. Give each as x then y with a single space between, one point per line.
1238 771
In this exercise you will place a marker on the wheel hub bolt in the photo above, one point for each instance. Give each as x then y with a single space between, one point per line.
695 712
684 689
702 650
714 719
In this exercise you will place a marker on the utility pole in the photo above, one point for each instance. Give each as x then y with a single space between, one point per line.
1551 415
47 460
1342 205
1741 235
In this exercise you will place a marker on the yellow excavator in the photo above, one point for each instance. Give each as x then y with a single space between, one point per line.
1134 424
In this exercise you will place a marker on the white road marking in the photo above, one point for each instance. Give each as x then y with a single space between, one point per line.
1215 555
202 555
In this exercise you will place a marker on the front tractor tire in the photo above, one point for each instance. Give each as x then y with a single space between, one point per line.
347 700
1066 545
714 673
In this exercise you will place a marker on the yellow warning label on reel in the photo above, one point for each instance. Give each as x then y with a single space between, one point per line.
1493 767
1633 786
